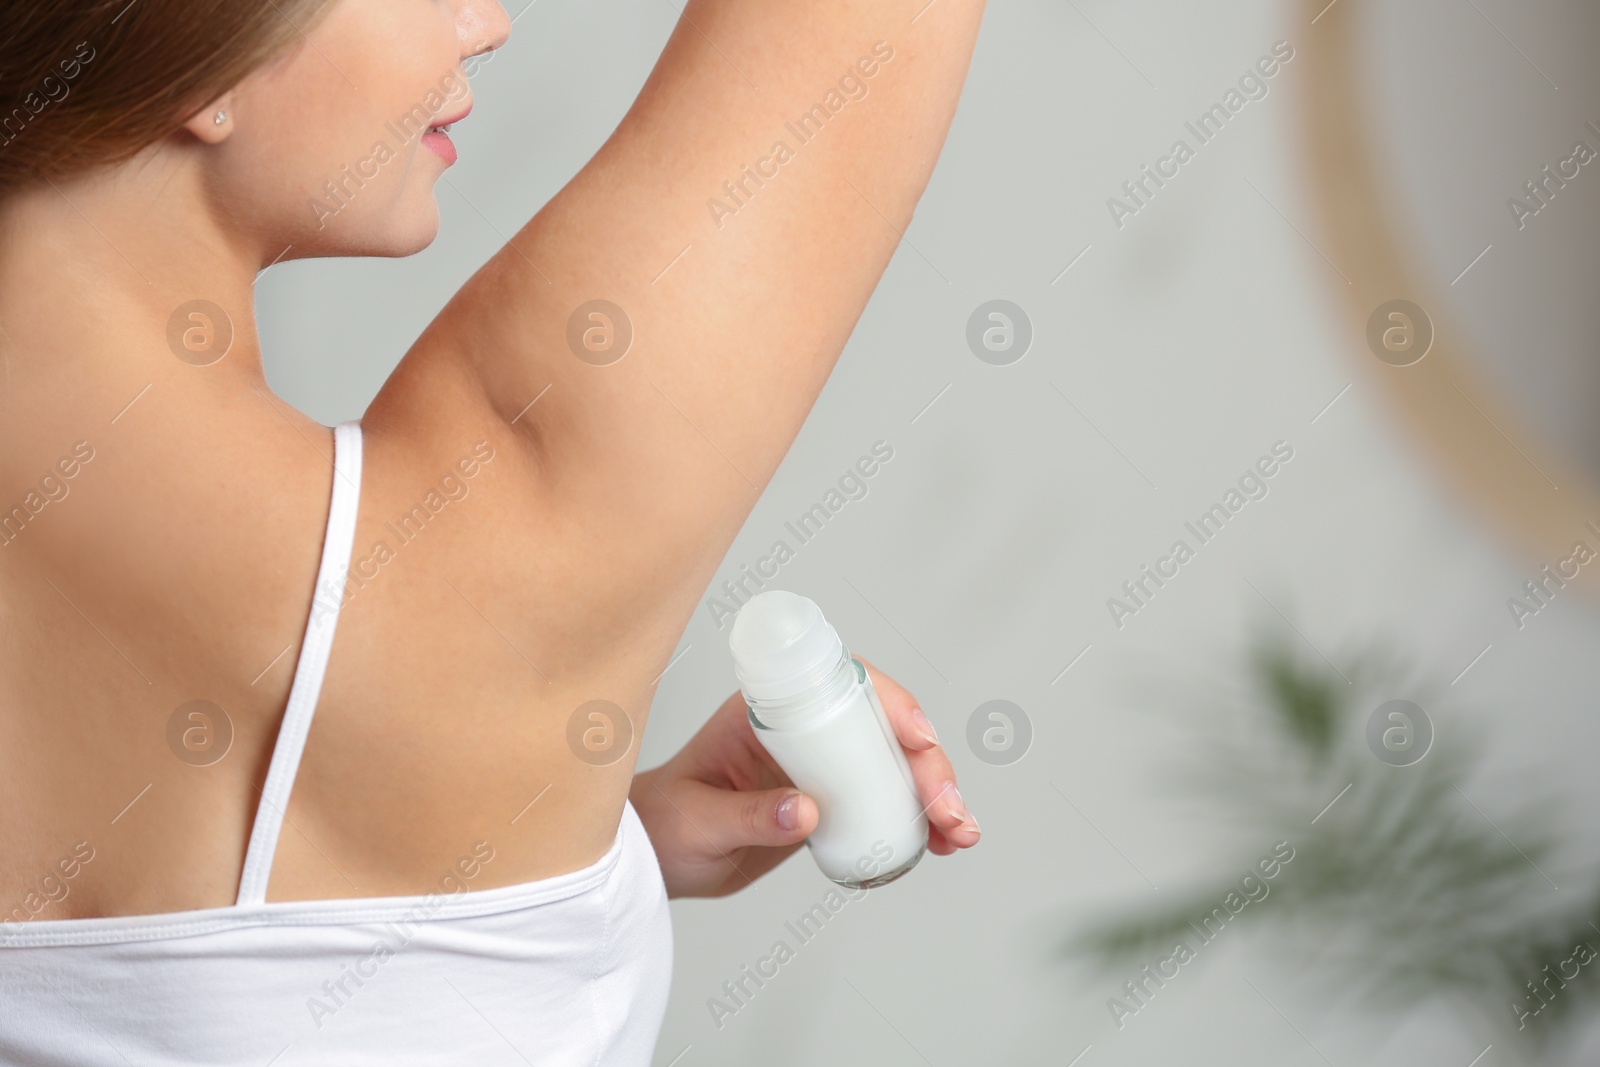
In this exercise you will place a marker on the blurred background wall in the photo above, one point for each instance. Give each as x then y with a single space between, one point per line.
1168 354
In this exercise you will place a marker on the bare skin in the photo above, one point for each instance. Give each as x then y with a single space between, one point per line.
180 565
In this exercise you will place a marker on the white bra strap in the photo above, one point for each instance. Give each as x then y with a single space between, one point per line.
327 598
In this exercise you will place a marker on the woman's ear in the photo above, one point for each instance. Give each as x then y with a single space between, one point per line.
214 123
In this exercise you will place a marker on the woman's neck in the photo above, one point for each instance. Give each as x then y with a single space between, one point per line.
96 273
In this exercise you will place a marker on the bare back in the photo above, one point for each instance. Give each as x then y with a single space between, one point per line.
534 530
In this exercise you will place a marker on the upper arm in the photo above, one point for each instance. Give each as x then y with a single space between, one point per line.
737 313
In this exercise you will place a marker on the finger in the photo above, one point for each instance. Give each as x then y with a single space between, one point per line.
945 807
938 844
911 726
732 819
949 819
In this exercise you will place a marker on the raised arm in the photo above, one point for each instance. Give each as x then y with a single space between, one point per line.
740 217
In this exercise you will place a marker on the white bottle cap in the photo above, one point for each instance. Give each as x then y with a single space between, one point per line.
782 645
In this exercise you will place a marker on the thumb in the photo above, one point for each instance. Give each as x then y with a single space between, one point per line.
732 819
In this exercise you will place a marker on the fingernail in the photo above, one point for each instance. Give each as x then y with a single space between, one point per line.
789 812
955 805
958 808
924 725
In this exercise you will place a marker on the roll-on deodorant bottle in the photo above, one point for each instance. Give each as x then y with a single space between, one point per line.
814 709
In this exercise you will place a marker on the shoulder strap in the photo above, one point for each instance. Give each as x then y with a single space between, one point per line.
327 598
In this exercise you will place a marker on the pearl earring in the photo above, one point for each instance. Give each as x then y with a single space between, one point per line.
222 116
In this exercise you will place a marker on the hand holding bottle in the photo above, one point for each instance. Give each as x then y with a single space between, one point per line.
721 813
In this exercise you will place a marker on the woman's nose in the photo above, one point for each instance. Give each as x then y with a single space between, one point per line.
482 26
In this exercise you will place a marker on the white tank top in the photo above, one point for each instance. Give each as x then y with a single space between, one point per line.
568 971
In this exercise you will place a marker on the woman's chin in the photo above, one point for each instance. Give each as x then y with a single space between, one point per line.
410 230
403 234
411 242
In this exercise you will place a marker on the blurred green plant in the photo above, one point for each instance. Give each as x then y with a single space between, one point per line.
1403 890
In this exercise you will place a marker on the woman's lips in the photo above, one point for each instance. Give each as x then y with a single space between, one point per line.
439 142
437 136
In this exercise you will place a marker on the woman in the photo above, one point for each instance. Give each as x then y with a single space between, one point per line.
448 862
